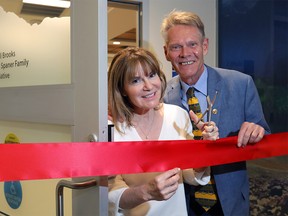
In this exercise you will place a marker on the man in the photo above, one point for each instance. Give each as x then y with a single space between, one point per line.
237 108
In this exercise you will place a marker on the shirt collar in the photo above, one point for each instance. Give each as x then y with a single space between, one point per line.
201 84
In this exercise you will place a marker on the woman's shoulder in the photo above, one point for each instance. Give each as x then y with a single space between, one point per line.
172 107
175 112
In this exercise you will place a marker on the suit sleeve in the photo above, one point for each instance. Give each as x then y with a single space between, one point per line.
253 107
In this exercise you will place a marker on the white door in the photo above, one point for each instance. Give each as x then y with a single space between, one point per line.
89 68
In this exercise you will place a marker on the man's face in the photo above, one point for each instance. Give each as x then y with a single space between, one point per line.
186 49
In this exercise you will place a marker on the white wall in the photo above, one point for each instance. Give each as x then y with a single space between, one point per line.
155 10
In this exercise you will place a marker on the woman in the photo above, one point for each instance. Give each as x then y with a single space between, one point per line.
136 87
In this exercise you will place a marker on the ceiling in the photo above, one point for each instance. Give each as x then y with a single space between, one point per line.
122 20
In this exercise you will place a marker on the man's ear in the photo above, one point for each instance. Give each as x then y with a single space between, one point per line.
166 53
205 46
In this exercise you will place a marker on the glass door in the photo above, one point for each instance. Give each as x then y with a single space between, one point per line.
52 89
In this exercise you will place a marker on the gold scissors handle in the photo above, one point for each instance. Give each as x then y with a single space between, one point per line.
210 106
209 109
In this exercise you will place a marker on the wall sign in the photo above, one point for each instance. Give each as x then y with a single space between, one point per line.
13 193
11 138
34 54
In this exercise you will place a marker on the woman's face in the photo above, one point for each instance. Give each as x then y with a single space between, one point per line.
143 90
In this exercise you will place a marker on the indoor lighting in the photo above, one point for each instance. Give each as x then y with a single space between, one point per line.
52 3
116 42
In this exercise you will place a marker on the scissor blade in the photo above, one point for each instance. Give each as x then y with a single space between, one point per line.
202 116
209 102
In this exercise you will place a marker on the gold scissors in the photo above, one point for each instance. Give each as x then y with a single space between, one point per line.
209 109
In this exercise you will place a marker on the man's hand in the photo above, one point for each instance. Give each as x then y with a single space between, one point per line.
249 133
209 130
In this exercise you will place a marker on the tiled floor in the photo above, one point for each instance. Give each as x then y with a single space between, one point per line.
269 186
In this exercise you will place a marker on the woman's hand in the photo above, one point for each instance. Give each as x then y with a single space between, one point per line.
162 187
209 130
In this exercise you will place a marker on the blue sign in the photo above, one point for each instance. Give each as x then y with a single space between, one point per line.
13 193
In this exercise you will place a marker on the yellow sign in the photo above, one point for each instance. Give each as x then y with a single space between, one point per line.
11 138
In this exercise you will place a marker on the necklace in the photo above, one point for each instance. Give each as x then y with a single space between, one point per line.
146 135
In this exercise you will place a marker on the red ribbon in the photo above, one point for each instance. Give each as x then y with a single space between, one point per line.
67 160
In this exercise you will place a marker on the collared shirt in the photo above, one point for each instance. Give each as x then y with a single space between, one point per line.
201 92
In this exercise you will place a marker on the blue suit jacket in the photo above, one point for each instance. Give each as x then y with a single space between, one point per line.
237 101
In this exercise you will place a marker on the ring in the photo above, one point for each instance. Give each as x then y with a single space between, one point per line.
197 122
212 130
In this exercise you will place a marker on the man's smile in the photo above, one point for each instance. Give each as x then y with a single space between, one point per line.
186 63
